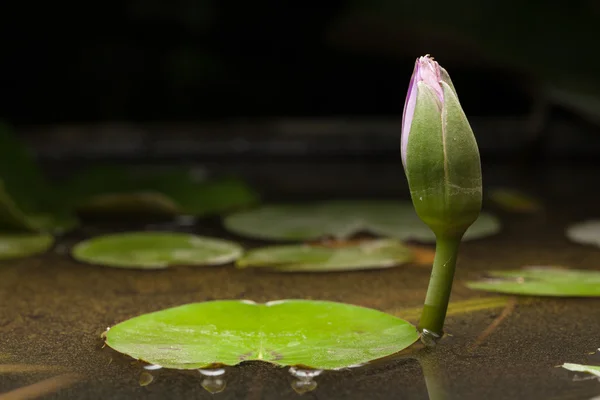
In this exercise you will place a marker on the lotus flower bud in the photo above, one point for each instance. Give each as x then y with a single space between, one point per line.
439 152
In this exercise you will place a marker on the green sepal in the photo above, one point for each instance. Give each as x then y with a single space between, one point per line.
442 164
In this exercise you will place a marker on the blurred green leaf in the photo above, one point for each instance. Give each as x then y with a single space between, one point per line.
114 190
27 200
343 219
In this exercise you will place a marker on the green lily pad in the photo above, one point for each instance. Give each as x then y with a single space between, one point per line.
542 281
587 232
24 245
369 254
155 250
317 334
590 369
28 203
123 190
343 219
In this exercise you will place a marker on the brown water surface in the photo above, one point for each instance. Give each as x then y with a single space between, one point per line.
54 309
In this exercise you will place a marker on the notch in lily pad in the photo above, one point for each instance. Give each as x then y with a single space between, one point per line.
313 334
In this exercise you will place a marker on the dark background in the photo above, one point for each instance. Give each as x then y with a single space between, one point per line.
273 77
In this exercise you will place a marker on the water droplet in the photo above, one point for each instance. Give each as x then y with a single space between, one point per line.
305 373
214 381
212 372
145 379
301 386
214 384
429 339
304 379
152 367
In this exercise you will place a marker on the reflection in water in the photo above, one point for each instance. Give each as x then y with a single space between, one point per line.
429 339
304 379
145 379
214 381
435 376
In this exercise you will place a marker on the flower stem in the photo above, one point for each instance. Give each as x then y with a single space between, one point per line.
440 285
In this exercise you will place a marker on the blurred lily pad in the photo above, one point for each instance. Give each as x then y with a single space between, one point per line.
586 232
542 281
317 334
590 369
155 250
368 254
28 203
343 219
514 201
19 245
115 190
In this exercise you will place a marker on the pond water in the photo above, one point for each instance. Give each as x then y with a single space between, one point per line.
53 310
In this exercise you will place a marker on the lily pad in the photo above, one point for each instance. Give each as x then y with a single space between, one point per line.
317 334
370 254
542 281
587 232
343 219
155 250
590 369
123 190
24 245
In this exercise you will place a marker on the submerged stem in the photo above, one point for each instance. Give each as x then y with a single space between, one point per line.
440 285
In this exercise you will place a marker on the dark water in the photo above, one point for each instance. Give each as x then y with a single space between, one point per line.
53 309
